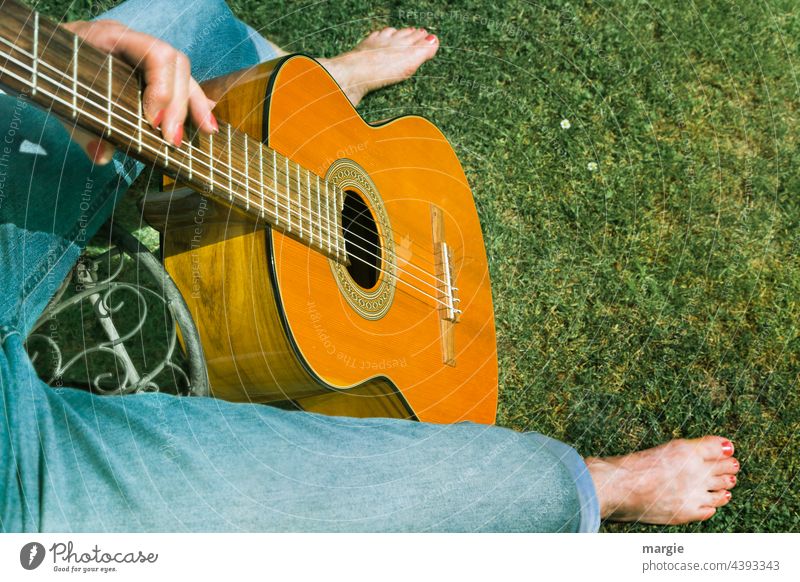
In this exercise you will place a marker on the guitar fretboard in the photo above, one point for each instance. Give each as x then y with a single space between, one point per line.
103 94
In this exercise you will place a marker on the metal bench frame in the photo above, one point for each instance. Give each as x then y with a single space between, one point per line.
102 295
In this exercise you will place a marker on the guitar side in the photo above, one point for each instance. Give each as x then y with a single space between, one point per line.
272 313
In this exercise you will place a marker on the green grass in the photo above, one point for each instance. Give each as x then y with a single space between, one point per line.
658 296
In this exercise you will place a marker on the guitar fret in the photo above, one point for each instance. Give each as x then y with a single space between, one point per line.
319 215
230 165
75 76
339 229
141 110
69 91
288 196
110 90
210 162
261 175
299 201
246 177
275 184
109 119
310 212
328 215
336 221
35 72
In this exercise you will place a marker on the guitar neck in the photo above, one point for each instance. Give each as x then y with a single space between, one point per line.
103 95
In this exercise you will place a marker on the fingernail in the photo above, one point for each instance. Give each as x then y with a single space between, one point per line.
157 119
727 448
178 135
213 121
96 149
430 37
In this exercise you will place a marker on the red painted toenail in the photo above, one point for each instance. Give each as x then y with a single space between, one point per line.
727 448
733 479
728 495
430 37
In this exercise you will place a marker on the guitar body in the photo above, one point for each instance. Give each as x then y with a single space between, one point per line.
280 321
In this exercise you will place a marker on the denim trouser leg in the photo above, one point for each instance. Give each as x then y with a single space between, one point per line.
71 461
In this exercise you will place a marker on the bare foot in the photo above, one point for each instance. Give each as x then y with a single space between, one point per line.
385 57
677 482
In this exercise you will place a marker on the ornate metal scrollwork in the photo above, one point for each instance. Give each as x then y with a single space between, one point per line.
137 315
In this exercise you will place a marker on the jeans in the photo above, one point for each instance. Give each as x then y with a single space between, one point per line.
71 461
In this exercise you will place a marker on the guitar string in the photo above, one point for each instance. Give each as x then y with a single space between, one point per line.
182 166
278 196
323 221
449 305
248 180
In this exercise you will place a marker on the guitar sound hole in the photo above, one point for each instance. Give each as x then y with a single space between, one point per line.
361 239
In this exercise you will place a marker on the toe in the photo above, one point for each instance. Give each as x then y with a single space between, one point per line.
714 447
413 37
719 498
388 31
705 513
430 43
722 482
427 45
726 467
700 514
419 34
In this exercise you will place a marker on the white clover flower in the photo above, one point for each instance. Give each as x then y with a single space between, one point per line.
565 124
591 166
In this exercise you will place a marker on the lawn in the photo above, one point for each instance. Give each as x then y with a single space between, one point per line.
635 170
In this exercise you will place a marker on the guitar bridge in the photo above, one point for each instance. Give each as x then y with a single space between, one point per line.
447 291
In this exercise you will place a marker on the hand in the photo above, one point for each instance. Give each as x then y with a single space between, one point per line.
170 93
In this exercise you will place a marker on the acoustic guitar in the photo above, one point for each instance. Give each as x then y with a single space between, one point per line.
329 263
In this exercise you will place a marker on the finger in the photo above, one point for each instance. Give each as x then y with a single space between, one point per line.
117 39
177 109
159 75
200 109
166 71
154 58
97 150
